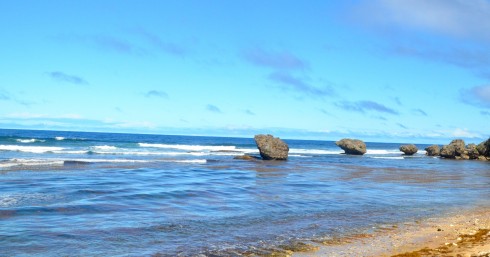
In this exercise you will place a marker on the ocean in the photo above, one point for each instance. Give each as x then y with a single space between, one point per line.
111 194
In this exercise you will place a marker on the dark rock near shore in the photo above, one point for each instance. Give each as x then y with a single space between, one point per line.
472 152
459 146
484 148
352 146
271 148
409 149
433 150
245 157
455 150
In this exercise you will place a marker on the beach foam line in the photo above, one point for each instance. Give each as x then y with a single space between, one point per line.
103 147
32 140
30 149
382 151
314 151
191 147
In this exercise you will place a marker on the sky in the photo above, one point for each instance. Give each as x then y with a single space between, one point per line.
378 70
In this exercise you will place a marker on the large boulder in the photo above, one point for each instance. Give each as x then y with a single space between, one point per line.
271 148
455 150
352 146
409 149
432 150
472 152
448 151
484 148
459 146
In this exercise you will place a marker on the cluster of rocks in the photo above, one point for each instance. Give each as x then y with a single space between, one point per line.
457 149
273 148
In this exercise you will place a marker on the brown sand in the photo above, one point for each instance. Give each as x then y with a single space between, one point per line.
465 234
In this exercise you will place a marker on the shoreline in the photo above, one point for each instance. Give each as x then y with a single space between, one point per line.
465 234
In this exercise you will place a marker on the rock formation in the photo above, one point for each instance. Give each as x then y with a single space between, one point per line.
472 152
271 148
352 146
454 150
409 149
432 150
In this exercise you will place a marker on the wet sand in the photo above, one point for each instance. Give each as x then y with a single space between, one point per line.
465 234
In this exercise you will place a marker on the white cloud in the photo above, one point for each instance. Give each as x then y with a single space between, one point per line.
456 18
465 133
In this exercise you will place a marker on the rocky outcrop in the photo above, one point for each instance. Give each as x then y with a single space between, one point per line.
409 149
352 146
472 152
271 148
457 150
454 150
432 150
484 148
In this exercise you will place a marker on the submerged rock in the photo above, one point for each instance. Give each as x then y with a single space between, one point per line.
271 148
433 150
352 146
409 149
245 157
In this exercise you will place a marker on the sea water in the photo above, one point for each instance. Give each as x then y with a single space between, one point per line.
107 194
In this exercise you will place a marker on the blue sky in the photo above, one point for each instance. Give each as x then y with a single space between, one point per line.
403 71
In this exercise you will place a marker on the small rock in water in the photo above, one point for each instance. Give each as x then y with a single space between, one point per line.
409 149
432 150
352 146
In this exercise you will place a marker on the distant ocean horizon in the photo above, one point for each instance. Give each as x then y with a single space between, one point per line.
119 194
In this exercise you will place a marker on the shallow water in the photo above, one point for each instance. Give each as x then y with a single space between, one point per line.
87 194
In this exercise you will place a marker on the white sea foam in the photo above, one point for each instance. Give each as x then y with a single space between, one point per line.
104 147
26 141
31 162
382 151
314 151
192 147
59 138
71 152
30 149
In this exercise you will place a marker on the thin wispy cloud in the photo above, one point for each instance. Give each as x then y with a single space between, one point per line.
289 82
63 77
401 126
419 112
106 43
363 106
459 27
159 43
4 96
477 59
454 18
478 96
213 108
156 93
276 60
249 112
485 113
112 43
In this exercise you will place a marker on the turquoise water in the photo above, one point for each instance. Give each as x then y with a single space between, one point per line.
92 194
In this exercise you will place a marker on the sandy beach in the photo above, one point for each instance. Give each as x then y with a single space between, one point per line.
465 234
